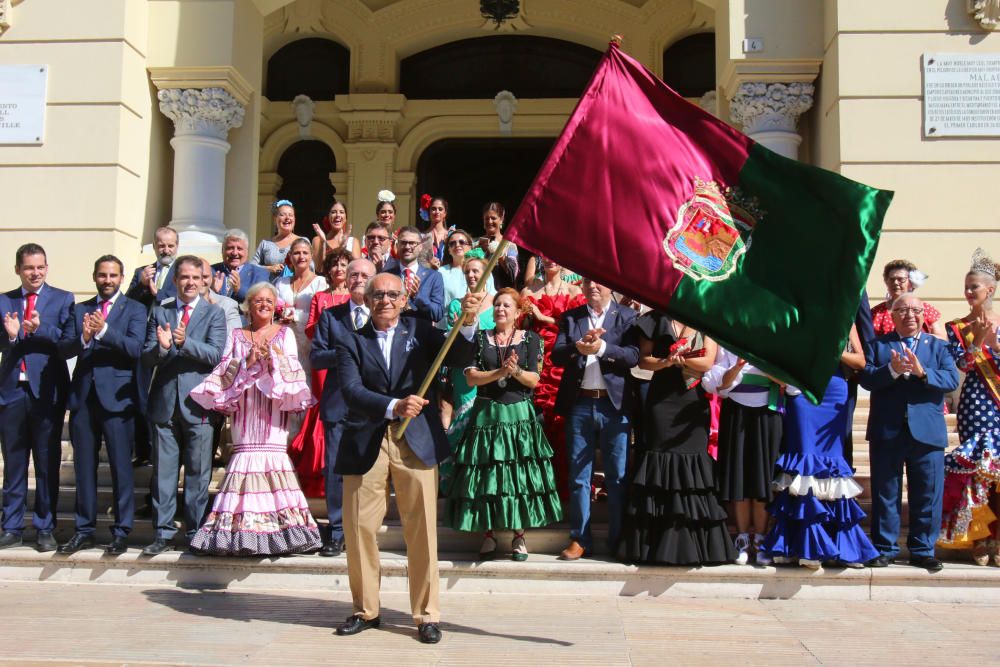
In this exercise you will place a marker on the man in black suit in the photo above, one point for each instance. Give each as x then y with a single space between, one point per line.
33 385
335 323
107 338
597 348
381 368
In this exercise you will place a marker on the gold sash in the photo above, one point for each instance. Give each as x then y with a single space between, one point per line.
984 363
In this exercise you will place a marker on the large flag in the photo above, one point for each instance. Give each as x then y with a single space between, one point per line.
652 196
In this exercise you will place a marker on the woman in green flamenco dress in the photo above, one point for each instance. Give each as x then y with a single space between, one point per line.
502 477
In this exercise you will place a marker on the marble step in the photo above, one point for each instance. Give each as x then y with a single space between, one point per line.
542 575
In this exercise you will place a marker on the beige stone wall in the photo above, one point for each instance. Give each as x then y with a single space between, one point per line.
84 191
868 126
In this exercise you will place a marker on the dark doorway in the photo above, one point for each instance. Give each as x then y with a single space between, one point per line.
470 172
305 170
689 65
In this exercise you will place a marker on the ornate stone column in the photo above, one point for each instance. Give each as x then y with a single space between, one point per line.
202 120
768 113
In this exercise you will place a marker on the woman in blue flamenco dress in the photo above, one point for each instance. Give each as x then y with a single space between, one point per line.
972 470
816 516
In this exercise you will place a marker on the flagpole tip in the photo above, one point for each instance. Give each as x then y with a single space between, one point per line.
616 39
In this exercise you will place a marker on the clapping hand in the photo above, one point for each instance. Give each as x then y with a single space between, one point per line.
218 281
590 343
511 366
319 231
900 363
982 327
180 334
12 325
163 336
32 323
916 368
92 325
412 285
148 277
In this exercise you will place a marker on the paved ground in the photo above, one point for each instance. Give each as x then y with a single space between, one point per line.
109 624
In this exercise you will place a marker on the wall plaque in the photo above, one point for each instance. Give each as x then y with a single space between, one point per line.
22 103
961 94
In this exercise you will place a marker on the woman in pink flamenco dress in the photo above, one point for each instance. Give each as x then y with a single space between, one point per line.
260 509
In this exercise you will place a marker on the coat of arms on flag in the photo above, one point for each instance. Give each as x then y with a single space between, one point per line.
711 233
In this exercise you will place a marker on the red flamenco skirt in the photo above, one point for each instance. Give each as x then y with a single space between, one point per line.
308 448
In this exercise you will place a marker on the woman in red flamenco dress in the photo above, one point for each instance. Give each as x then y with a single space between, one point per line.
551 296
308 448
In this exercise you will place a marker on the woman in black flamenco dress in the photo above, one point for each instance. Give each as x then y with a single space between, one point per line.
673 515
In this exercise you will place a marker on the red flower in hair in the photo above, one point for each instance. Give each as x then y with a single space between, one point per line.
425 201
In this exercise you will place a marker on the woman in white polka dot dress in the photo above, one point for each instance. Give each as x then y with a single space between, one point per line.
972 470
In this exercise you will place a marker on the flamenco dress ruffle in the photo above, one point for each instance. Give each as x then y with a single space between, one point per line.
972 474
502 474
260 509
673 514
816 516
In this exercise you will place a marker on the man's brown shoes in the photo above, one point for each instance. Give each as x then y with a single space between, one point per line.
574 551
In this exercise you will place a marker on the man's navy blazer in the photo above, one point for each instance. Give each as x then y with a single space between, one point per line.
620 354
900 402
47 375
429 301
368 388
108 364
334 324
138 291
250 274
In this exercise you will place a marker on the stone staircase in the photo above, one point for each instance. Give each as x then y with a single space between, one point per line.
542 574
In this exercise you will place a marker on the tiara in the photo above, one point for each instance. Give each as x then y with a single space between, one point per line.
982 263
281 202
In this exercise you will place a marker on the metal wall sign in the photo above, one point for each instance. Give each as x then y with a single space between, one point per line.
22 103
961 94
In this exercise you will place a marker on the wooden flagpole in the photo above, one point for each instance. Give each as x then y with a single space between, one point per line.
439 359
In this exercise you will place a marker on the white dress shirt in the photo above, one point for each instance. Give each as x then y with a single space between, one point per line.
724 360
593 378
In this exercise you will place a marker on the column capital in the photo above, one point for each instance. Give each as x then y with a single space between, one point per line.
371 116
201 111
760 106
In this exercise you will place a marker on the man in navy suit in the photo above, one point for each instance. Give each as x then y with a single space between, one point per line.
335 323
107 337
597 350
908 374
233 276
184 342
424 286
381 368
33 385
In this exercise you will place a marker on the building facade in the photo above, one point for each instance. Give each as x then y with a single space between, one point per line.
199 113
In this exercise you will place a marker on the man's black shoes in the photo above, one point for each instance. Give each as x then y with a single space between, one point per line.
429 633
929 563
78 542
332 549
355 624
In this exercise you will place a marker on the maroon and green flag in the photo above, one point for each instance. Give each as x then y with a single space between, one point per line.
654 197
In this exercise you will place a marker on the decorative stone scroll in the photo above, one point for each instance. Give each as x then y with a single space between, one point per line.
985 12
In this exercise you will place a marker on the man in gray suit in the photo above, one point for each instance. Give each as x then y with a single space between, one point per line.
184 342
231 309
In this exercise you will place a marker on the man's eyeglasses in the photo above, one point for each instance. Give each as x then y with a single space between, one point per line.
381 295
378 238
904 311
407 244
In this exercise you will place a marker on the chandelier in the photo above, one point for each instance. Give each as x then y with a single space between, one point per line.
499 10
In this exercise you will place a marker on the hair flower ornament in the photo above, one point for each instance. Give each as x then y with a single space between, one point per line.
425 205
386 196
475 252
917 279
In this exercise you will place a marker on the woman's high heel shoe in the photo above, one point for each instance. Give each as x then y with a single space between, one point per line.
519 549
981 552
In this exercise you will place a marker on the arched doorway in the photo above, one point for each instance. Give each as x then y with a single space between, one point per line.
470 172
305 170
